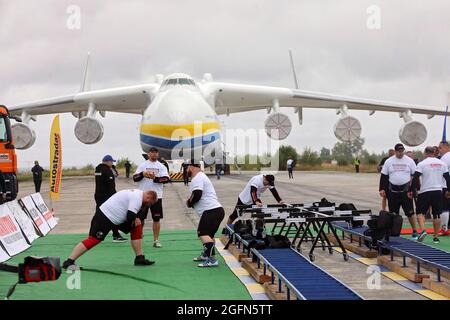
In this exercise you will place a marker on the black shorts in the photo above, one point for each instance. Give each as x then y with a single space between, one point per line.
234 215
400 199
101 226
156 211
429 199
210 222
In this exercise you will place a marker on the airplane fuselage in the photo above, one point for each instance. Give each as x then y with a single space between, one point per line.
179 120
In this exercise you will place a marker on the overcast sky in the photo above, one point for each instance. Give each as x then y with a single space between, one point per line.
407 60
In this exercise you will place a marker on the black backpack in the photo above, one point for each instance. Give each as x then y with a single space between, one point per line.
278 241
385 225
351 207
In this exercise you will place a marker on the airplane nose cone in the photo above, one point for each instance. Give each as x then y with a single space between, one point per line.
179 119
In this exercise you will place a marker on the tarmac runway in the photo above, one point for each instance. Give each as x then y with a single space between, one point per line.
76 207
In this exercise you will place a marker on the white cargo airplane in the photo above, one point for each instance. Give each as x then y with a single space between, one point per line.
180 113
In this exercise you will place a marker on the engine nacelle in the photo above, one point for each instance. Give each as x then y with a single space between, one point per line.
88 130
278 126
347 129
412 133
23 136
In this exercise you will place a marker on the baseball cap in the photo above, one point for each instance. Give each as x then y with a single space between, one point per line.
271 179
399 147
153 149
108 158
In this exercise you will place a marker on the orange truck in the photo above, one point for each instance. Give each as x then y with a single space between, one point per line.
8 158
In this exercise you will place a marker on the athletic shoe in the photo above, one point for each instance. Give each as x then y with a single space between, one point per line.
157 244
422 236
200 258
141 261
436 240
415 235
443 233
68 263
210 262
119 239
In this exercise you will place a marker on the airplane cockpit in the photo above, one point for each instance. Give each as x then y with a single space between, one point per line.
180 80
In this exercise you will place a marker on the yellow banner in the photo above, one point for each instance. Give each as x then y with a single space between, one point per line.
55 159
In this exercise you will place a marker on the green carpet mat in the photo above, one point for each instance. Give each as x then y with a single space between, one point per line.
174 276
443 245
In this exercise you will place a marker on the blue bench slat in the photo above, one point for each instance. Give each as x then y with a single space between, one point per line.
424 252
312 282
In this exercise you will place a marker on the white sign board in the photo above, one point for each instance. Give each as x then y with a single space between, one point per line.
45 211
10 234
35 215
24 221
3 255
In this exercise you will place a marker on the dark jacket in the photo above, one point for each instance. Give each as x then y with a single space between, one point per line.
105 183
37 172
2 183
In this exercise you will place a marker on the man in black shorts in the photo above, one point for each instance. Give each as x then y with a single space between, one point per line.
204 200
431 170
395 181
152 175
120 210
252 192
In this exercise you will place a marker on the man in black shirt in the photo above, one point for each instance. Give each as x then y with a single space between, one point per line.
37 176
105 187
2 188
127 168
185 173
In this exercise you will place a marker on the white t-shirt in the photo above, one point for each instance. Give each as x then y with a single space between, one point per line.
289 163
399 170
432 170
445 159
117 206
147 184
209 199
256 181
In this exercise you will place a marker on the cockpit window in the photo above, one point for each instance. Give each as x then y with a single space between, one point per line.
179 81
184 81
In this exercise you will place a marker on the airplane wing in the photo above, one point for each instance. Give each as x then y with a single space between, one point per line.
132 99
233 98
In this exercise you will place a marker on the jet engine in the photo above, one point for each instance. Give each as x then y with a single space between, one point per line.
412 133
23 135
347 128
278 126
88 130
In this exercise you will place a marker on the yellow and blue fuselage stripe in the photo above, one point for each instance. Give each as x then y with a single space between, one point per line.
166 136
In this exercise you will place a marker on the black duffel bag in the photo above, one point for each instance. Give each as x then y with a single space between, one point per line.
351 207
278 241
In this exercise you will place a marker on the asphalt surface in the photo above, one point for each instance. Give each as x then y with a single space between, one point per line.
76 207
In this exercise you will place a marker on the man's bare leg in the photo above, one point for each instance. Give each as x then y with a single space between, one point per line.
78 251
383 203
436 225
412 221
421 220
137 246
156 229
